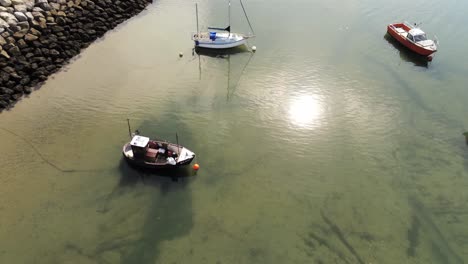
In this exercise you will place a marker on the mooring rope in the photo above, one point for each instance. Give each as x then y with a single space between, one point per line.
42 156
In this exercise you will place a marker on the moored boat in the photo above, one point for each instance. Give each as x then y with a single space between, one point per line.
220 38
147 153
413 38
154 154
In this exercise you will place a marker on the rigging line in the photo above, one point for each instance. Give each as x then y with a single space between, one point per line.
41 156
245 13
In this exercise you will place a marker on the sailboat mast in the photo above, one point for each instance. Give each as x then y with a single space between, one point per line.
229 25
196 11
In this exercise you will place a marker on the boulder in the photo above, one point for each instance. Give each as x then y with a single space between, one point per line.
11 41
61 21
61 14
17 2
29 4
37 9
8 70
21 44
4 90
5 3
29 16
15 51
3 9
54 53
30 37
4 54
35 32
3 23
7 16
50 19
55 6
17 96
37 14
45 6
3 104
23 25
21 8
20 34
2 41
25 80
20 16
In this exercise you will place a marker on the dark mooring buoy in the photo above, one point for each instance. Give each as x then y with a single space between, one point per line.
466 137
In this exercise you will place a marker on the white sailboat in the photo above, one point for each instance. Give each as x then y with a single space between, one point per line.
220 38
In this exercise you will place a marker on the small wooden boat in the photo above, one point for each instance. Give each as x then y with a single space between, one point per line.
155 154
220 38
413 38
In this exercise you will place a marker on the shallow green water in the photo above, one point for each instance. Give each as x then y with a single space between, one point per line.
330 144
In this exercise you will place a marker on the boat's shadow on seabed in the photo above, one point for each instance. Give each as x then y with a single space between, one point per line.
406 54
131 175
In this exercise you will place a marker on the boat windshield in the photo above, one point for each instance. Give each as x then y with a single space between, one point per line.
419 38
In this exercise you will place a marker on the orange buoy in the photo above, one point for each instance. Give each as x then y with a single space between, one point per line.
196 166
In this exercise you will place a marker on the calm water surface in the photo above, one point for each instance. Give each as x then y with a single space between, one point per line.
330 144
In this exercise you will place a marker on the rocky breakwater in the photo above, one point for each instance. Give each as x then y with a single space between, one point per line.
38 36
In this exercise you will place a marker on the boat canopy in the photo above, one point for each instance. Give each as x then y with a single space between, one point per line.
416 31
139 141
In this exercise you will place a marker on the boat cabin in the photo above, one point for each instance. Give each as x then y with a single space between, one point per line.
416 35
139 146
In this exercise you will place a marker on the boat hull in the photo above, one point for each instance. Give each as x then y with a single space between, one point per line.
391 29
146 165
218 40
230 45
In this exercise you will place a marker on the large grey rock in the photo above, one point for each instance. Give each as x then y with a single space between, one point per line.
5 3
30 37
21 8
15 51
29 16
23 25
17 2
21 16
3 23
4 90
35 32
29 4
20 34
37 14
55 6
4 54
21 44
7 16
37 9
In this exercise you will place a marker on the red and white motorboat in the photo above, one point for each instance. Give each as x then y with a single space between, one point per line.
413 38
